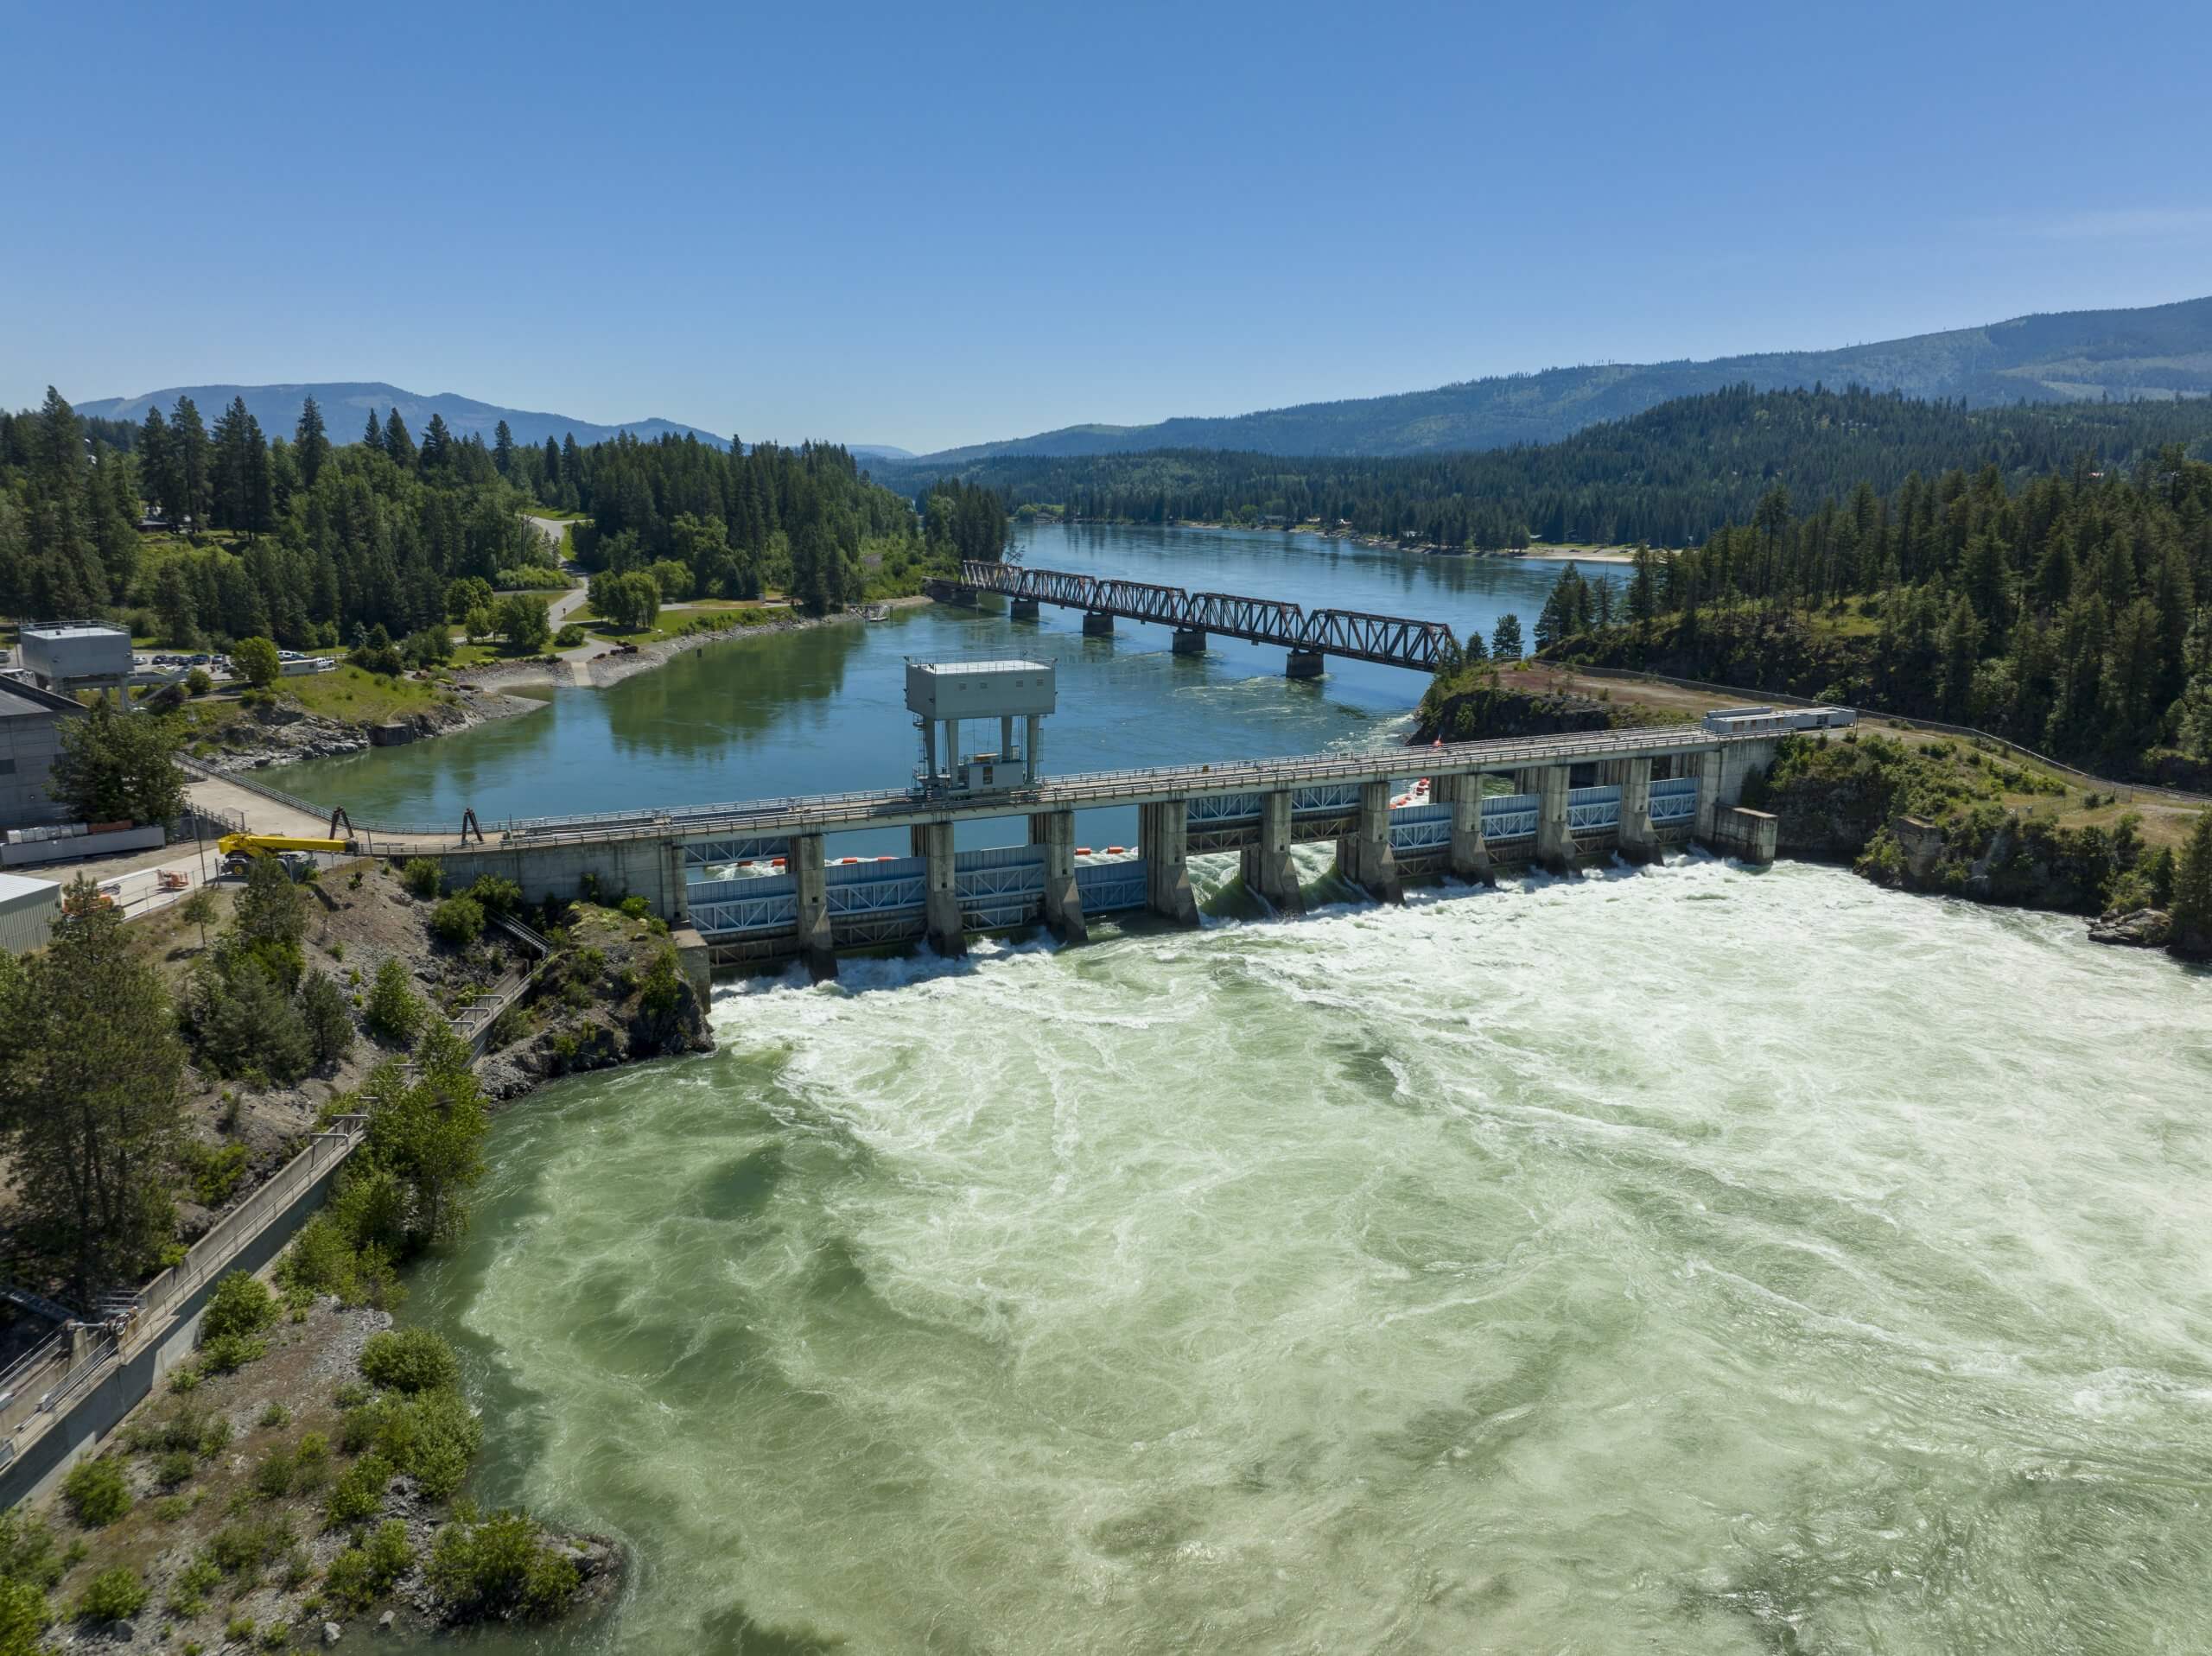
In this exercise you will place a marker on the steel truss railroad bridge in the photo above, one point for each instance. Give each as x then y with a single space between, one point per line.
1309 635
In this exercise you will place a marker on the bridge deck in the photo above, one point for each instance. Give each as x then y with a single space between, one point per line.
1392 640
834 813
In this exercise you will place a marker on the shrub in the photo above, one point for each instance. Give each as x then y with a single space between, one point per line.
569 636
636 907
229 1352
198 682
310 1463
500 1566
247 1547
352 1395
96 1492
358 1493
215 1173
410 1360
395 1011
365 1572
272 1473
114 1595
496 895
27 1553
458 921
188 1590
22 1617
275 1415
423 877
431 1435
174 1468
240 1305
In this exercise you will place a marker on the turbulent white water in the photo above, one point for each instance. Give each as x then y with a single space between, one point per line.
1685 1260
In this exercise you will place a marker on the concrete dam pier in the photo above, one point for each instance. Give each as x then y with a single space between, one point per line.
1555 802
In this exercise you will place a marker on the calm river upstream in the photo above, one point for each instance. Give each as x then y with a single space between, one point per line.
1684 1260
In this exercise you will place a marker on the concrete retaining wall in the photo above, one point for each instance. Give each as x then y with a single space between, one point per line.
86 1424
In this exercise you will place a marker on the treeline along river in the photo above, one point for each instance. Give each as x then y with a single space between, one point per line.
1685 1259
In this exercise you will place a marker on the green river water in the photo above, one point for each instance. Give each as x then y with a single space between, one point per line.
1682 1260
1685 1260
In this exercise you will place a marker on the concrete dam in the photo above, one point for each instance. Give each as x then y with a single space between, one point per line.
1554 802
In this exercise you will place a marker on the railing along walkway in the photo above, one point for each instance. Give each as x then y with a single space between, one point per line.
38 1391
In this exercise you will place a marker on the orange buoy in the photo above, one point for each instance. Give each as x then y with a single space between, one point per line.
1082 850
747 863
779 862
1114 850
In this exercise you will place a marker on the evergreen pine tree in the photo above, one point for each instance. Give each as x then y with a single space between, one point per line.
374 437
396 442
310 443
503 449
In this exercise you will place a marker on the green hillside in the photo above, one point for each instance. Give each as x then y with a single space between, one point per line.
2162 351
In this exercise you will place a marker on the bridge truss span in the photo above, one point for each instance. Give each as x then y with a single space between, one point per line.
1391 640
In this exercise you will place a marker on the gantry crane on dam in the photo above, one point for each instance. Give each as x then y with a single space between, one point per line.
1309 636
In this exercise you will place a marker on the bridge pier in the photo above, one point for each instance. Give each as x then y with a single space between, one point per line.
1268 868
1055 831
1470 854
1025 609
1555 847
1164 838
1708 795
1365 858
1304 664
1189 641
802 856
1097 624
1639 842
941 921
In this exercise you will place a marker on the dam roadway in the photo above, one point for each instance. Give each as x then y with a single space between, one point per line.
752 881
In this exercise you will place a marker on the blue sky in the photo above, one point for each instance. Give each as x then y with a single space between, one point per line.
927 225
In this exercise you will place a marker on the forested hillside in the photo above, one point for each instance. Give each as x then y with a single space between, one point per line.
2072 613
1669 476
2155 352
311 539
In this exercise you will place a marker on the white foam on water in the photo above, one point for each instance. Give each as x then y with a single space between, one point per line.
1685 1259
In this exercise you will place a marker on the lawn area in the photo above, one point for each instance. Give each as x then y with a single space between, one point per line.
707 615
359 697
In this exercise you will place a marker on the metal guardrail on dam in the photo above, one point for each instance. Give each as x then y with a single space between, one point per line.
1104 789
1392 640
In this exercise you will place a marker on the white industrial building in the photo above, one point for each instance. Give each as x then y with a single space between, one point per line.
26 911
1770 722
65 656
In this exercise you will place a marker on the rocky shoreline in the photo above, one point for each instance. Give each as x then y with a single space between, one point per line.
281 733
608 667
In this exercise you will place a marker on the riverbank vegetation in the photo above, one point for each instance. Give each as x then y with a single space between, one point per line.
1670 477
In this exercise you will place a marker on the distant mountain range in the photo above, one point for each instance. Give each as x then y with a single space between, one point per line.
345 406
2161 351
